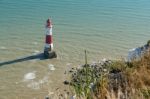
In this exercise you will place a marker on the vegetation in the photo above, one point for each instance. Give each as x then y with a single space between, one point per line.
113 79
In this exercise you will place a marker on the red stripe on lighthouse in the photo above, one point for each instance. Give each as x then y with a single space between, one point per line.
48 39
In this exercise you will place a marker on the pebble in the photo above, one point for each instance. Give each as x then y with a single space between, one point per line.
66 82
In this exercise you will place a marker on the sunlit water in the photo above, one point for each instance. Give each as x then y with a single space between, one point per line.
105 28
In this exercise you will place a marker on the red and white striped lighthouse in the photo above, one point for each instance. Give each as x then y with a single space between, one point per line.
48 50
48 39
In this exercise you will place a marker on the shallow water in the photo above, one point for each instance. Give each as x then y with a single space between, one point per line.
105 28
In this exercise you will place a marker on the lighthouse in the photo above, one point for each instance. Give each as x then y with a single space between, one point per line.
48 49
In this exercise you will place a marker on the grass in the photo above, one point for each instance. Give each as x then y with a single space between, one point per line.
113 80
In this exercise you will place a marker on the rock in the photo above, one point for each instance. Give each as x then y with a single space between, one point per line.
115 71
70 71
66 82
50 54
73 97
117 80
47 97
105 70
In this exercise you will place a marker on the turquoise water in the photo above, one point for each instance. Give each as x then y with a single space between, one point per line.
101 27
105 28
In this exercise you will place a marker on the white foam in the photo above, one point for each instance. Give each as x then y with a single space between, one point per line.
35 43
31 82
45 79
36 51
68 64
37 84
29 76
51 67
34 85
133 49
2 47
134 53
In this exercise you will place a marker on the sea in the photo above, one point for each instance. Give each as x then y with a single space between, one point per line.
106 29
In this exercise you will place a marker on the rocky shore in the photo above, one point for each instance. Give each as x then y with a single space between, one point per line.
90 76
108 79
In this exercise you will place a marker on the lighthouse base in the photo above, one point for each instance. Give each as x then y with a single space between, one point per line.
50 54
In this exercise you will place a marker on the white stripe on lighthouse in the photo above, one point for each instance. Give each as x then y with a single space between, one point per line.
48 31
49 45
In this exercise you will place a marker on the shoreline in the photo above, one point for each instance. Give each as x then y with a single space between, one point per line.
55 69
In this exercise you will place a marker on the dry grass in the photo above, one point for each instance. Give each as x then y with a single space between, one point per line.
133 84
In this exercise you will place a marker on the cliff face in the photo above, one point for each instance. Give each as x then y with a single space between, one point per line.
136 53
